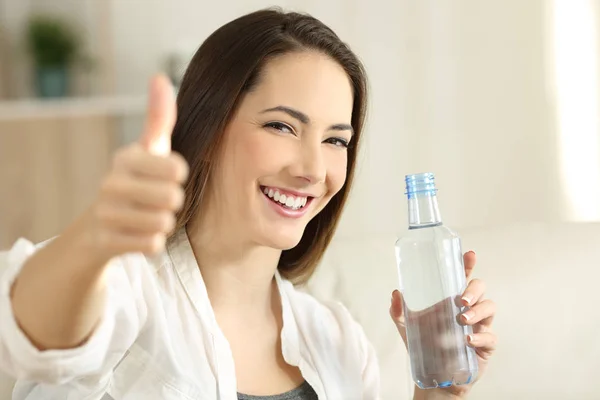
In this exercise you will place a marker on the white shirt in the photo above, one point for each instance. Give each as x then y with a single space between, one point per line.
159 339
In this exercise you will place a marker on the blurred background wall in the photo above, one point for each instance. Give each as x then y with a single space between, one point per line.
499 99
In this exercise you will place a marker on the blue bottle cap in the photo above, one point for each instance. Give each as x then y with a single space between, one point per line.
420 183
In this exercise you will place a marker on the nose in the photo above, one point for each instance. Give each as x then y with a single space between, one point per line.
310 163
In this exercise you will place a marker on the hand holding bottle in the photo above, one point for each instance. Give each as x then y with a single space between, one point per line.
480 316
441 315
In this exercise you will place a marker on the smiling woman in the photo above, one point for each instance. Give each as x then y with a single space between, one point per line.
308 90
297 150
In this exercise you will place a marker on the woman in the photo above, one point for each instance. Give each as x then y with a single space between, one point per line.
178 285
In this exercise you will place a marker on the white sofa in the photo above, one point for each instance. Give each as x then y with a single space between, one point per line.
543 278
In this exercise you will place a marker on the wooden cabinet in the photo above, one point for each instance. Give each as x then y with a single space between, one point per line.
50 170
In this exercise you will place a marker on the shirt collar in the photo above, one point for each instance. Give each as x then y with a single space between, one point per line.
187 269
289 332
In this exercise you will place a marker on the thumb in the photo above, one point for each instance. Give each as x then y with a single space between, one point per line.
397 313
160 118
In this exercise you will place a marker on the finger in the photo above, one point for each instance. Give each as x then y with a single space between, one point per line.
473 293
479 312
160 195
396 310
135 221
160 118
397 313
143 164
470 259
485 343
484 325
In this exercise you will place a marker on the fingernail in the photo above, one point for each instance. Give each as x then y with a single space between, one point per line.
471 251
470 338
466 300
467 316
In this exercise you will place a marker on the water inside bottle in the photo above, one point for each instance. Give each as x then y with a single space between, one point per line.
439 357
432 281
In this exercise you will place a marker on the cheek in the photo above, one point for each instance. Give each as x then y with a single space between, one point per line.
256 154
255 149
336 172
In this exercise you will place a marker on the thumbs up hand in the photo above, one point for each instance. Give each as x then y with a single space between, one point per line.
138 198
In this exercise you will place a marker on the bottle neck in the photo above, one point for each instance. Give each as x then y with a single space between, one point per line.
423 211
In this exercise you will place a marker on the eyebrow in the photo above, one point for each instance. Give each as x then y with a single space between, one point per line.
303 118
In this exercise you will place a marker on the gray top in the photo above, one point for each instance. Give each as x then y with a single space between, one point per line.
302 392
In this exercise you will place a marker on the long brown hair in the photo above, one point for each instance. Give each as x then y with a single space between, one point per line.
226 66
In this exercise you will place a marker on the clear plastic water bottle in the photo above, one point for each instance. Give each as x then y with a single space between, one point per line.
432 280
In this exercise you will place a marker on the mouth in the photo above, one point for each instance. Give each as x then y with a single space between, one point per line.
290 203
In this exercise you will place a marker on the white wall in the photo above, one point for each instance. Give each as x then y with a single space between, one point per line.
145 31
463 89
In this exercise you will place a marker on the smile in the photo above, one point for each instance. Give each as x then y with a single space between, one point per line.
287 203
286 200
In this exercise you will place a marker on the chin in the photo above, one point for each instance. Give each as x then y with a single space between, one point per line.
282 240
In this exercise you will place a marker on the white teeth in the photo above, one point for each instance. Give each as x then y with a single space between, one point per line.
292 202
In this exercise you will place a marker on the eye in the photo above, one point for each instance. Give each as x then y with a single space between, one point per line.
280 127
340 142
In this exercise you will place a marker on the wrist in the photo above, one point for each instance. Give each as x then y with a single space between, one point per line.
83 246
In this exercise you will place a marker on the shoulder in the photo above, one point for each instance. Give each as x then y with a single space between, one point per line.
333 335
326 318
333 312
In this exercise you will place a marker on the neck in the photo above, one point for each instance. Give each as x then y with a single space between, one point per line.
239 276
423 211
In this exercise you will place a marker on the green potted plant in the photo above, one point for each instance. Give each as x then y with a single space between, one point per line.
54 47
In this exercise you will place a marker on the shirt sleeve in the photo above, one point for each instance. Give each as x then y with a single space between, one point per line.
124 308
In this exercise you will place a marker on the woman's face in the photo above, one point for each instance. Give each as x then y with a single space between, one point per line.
285 150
